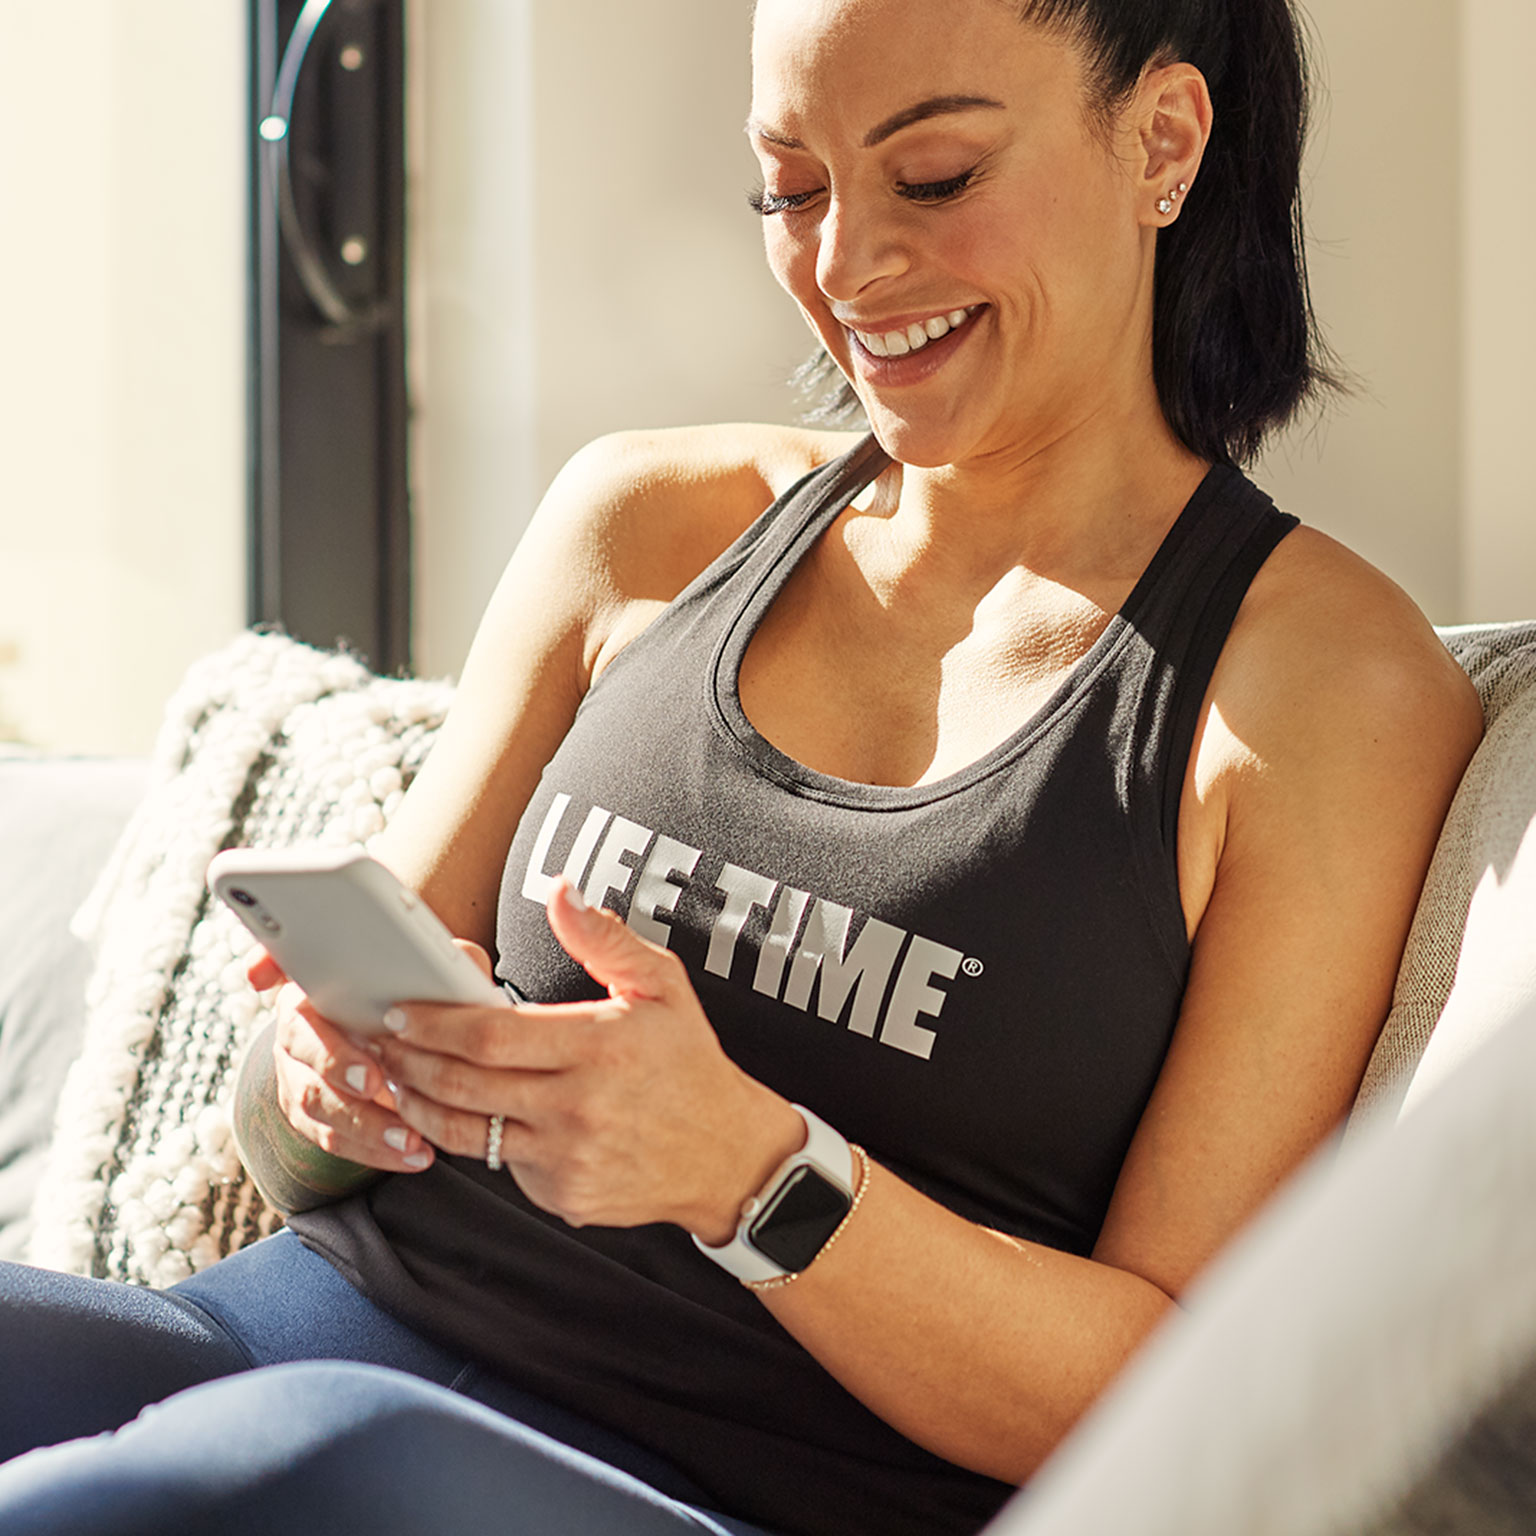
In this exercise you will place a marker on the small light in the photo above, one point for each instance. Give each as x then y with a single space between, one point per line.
352 57
354 251
272 128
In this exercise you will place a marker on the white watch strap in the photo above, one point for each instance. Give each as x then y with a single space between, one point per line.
825 1151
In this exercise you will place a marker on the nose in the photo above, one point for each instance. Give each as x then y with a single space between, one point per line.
856 248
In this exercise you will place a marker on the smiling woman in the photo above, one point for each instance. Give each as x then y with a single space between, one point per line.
958 872
1235 347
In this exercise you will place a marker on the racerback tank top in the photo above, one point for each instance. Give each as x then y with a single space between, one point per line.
977 979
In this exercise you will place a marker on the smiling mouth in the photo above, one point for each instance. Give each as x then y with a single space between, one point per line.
915 337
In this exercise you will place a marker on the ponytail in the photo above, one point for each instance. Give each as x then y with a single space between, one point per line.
1236 347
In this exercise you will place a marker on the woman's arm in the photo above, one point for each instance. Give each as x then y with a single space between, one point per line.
1335 733
624 527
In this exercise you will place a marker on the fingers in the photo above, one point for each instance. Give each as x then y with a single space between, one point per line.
478 955
263 971
532 1037
462 1132
611 952
335 1094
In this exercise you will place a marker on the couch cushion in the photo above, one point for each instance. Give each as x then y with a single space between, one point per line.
59 818
1362 1359
1470 961
267 742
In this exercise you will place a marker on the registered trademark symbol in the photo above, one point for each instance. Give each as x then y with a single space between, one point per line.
972 967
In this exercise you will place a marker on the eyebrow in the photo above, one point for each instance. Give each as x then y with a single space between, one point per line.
935 106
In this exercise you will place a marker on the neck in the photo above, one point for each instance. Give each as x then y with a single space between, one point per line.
1083 493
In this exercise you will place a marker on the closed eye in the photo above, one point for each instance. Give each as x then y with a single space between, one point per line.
935 191
769 203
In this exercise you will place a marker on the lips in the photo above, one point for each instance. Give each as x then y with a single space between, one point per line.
915 336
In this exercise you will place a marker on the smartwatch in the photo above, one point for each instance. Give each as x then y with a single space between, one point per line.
788 1222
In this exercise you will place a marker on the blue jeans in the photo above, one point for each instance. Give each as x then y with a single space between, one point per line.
288 1401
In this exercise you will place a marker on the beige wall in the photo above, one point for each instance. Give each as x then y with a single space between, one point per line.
122 399
1499 311
606 273
472 355
647 255
1383 471
619 281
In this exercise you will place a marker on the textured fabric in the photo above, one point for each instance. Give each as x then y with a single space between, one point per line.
976 979
339 1449
1359 1363
59 818
1470 960
266 742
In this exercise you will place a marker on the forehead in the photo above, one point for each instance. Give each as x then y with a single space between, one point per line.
855 62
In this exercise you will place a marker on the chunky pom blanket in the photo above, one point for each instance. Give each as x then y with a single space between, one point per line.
267 743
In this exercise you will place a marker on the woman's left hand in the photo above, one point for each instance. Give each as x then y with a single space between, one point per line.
617 1112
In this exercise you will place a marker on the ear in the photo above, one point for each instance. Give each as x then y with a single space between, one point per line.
1173 116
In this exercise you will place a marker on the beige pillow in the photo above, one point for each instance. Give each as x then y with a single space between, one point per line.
267 743
1470 961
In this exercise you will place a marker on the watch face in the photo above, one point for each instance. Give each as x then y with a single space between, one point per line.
803 1212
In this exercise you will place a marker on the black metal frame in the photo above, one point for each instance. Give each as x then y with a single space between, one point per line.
329 514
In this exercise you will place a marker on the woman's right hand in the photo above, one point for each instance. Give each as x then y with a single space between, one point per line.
330 1088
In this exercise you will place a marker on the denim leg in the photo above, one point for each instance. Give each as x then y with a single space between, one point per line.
81 1356
337 1448
284 1303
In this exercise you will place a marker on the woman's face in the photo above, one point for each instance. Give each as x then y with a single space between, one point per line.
964 239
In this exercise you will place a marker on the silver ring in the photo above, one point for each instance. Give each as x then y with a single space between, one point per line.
493 1127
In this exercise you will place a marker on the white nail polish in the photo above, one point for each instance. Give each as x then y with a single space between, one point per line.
418 1160
576 899
357 1079
397 1137
394 1019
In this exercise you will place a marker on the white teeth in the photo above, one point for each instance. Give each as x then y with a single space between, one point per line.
915 337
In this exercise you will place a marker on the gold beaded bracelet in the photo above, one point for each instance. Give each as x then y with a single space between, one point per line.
861 1157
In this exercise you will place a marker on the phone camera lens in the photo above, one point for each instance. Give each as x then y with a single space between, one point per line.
243 897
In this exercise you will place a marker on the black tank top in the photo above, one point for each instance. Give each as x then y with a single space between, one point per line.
977 979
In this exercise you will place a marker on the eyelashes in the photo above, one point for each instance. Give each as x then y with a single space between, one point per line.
936 191
767 203
760 200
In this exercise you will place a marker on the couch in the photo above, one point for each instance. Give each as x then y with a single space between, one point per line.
1363 1359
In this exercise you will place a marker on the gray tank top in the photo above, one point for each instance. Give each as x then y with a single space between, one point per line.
977 979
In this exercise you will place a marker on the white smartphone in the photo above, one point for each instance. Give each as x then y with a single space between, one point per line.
348 932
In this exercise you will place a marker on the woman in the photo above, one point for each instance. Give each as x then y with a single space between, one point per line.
1023 794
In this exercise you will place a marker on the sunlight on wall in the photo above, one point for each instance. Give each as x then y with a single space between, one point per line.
1499 340
582 260
122 401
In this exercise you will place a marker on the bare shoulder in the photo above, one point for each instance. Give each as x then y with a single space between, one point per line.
646 511
1336 730
1330 664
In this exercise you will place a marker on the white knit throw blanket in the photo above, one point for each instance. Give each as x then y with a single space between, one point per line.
266 743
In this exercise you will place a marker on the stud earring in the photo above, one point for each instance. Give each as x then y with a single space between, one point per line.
1165 205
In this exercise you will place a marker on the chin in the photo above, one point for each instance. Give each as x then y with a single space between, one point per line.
917 444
